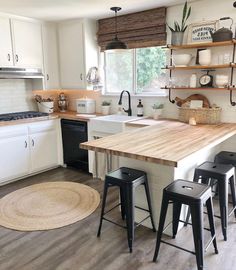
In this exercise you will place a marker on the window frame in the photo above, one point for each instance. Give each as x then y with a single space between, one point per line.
134 81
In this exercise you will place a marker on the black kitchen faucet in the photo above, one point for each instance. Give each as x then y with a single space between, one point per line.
129 111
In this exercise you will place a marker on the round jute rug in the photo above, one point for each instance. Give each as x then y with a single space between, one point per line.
47 206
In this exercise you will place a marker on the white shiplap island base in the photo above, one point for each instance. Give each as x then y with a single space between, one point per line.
167 151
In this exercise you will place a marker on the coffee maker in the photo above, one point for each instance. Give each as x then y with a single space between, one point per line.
62 102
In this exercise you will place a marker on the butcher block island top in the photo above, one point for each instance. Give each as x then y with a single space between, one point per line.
167 142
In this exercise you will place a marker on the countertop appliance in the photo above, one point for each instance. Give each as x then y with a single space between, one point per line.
73 133
62 102
21 115
85 105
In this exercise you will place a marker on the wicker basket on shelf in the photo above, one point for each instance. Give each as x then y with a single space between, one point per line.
201 115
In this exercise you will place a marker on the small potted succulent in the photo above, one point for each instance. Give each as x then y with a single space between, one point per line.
106 107
177 32
157 110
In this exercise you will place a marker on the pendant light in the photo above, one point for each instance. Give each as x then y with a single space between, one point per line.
116 44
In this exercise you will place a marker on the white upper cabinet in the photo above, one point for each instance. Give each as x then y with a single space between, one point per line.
27 43
77 51
6 53
71 51
50 52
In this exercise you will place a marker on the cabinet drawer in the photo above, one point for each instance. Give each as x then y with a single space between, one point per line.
13 131
42 126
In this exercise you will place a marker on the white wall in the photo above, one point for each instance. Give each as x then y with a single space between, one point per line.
208 10
16 95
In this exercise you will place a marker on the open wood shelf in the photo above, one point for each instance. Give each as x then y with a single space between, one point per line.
231 66
200 67
197 88
202 45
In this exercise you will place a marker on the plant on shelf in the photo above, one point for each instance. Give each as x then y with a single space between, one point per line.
106 107
177 32
157 110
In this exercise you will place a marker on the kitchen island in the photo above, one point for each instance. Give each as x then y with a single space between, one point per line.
167 151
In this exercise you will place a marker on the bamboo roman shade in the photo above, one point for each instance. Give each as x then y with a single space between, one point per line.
141 29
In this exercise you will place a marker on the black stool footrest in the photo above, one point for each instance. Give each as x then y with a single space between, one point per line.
113 222
181 248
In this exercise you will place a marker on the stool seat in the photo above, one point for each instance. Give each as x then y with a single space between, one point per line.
127 175
127 180
215 169
189 191
194 195
226 157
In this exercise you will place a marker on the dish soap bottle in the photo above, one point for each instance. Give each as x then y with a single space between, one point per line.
140 108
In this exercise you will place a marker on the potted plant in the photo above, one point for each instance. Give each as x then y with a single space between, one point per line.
157 110
177 32
44 104
106 107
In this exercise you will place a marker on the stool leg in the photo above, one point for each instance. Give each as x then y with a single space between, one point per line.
164 207
195 179
176 215
103 208
223 200
210 213
129 207
122 203
197 226
232 187
149 203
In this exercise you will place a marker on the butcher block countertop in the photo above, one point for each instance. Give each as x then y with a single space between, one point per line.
167 142
71 115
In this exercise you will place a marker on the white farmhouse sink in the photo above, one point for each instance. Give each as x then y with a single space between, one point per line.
111 124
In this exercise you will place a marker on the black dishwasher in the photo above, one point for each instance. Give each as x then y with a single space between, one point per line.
73 133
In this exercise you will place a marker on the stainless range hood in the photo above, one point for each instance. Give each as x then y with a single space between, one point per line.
20 73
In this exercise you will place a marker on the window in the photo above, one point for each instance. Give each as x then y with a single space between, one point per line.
137 70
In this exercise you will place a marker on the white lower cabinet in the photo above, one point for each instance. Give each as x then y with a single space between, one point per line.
14 149
43 150
28 148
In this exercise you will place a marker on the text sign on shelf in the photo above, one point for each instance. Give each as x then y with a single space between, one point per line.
201 32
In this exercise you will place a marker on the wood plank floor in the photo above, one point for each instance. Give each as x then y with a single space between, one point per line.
76 247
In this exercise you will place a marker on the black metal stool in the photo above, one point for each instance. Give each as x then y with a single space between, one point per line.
225 157
194 195
127 180
223 174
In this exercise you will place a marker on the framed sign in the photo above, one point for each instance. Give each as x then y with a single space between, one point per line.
200 32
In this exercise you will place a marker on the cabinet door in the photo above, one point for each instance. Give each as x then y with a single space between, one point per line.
44 152
50 51
27 42
6 59
71 55
14 160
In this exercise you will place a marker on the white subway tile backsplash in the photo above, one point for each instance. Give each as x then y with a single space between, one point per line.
16 95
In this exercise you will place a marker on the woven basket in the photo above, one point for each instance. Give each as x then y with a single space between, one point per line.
202 116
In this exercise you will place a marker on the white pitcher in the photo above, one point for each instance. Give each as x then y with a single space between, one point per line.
205 57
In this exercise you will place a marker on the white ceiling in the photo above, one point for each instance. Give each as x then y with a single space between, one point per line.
66 9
